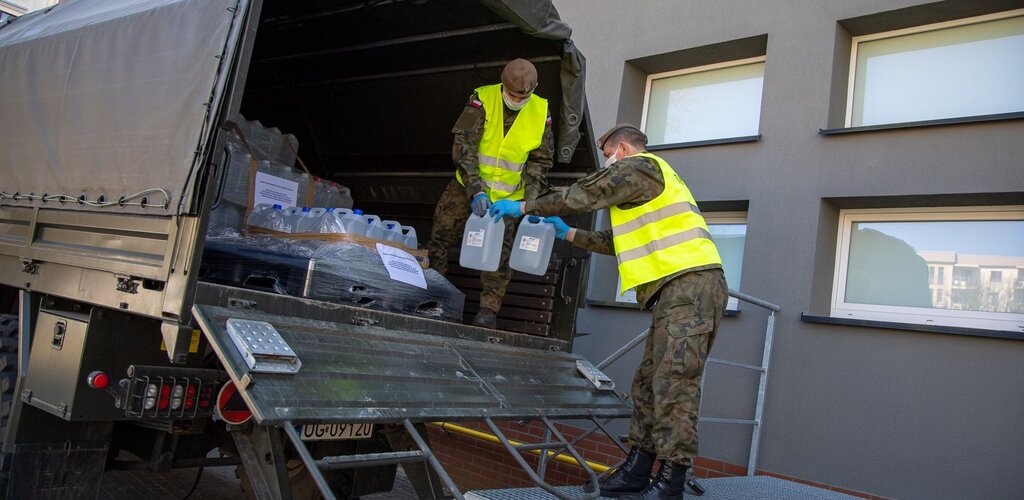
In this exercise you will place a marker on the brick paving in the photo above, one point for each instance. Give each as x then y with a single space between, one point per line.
216 483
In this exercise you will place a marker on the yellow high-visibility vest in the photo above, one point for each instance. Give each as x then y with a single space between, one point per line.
502 157
663 236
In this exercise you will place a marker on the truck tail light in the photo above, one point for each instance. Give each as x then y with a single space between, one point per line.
169 393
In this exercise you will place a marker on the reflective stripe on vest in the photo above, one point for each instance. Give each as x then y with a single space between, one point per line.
663 236
502 157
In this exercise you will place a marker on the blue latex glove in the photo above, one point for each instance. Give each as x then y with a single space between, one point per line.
505 208
561 228
481 202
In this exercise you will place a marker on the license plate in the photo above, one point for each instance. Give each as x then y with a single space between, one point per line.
329 432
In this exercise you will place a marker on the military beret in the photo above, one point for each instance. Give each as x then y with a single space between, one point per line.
519 78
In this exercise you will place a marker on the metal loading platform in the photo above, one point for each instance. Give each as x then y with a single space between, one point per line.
723 488
366 374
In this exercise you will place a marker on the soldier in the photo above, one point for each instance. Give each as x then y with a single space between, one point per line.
503 150
664 249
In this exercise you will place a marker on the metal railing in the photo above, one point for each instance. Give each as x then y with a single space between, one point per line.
769 335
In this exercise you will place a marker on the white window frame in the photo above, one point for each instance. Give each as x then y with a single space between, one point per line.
857 40
917 315
688 71
721 218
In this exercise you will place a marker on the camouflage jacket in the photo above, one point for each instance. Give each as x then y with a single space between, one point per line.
470 128
627 183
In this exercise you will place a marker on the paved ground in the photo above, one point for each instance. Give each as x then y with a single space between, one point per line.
216 483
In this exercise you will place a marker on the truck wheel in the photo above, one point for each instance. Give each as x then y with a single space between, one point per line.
303 487
8 377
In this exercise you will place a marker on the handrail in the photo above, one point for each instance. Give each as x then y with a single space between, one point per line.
754 300
483 436
756 422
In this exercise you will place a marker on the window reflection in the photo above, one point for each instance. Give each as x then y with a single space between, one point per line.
955 265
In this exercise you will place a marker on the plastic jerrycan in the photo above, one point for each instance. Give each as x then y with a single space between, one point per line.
393 231
351 219
256 215
409 237
374 227
531 249
481 243
308 223
292 216
330 222
271 218
355 224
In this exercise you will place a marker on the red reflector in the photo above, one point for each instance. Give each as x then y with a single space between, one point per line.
230 406
97 380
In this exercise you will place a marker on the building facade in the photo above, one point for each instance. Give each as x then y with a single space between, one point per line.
864 164
12 8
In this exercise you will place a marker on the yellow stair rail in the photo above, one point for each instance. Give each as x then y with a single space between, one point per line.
466 431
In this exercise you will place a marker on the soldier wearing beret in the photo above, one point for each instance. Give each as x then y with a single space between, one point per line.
503 149
665 252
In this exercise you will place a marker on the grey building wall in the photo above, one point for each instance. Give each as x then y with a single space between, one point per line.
889 412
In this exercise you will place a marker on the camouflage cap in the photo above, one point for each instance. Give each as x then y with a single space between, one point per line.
601 140
519 78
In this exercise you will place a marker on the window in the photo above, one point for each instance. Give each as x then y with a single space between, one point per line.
963 68
720 101
729 231
891 265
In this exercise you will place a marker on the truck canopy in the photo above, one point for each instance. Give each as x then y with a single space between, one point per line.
104 100
111 103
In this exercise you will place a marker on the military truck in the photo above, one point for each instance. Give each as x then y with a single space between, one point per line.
117 355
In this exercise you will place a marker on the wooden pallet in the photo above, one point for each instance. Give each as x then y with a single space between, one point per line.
528 303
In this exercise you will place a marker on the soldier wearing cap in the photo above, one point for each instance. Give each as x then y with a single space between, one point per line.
664 250
503 150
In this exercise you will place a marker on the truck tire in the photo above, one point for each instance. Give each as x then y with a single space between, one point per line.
8 378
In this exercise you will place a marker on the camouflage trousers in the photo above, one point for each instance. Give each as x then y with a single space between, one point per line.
449 223
666 387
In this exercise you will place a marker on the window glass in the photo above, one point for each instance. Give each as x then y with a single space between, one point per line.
934 270
704 105
976 69
730 238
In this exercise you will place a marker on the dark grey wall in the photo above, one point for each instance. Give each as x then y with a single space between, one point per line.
892 413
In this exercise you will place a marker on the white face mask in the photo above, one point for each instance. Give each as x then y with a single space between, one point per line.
610 160
514 106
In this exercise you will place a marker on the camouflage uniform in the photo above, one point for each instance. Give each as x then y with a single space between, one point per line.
453 208
688 309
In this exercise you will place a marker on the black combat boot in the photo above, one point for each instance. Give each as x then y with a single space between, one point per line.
667 485
486 318
630 477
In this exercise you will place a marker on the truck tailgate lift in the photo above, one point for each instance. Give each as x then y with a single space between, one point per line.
365 374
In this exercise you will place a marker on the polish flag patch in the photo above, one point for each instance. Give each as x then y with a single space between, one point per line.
475 103
548 122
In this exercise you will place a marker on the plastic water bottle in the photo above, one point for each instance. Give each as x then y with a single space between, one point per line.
531 249
292 216
308 223
481 243
320 195
272 218
393 231
374 228
343 196
409 237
